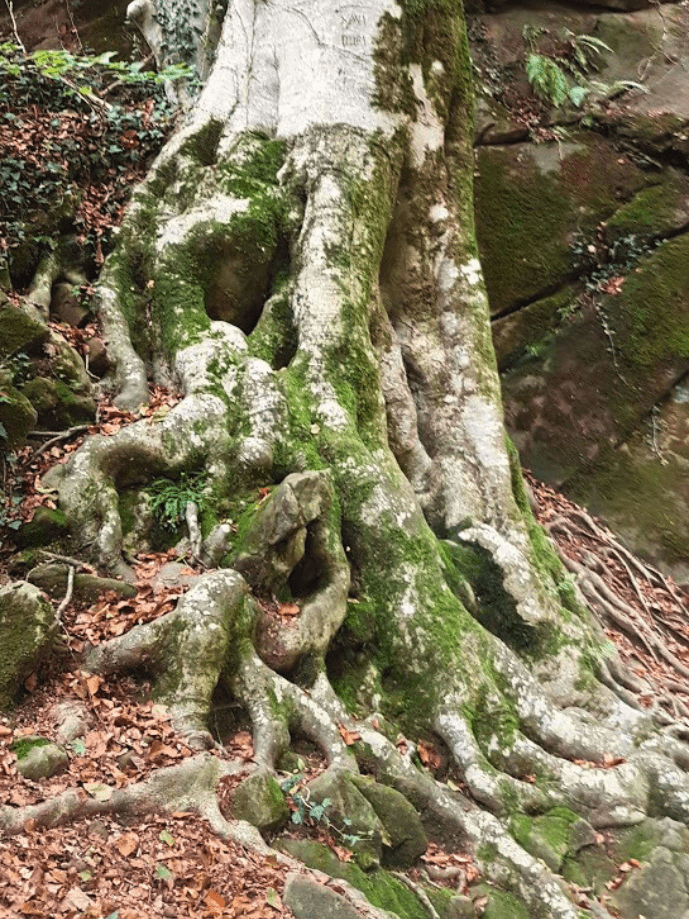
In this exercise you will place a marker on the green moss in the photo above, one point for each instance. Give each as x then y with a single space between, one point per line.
128 500
24 745
532 200
56 403
19 331
651 212
17 416
547 836
637 842
46 526
523 218
502 905
612 490
650 317
526 335
379 887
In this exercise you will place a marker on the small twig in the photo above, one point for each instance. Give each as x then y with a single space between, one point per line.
63 435
74 25
68 560
67 599
10 9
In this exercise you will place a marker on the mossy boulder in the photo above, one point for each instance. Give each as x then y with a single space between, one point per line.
20 332
46 526
17 415
27 629
38 758
57 405
407 839
549 836
351 811
260 801
380 888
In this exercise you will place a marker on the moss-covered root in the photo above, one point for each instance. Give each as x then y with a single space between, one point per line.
88 484
499 857
190 786
276 706
127 377
187 650
293 543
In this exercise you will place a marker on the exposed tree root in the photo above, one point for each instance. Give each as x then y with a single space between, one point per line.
318 301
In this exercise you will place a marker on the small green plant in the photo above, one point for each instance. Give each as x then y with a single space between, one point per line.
603 263
305 811
561 73
169 498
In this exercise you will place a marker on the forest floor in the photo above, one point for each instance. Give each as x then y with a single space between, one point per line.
172 865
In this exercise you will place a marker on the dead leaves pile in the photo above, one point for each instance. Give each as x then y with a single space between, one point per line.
164 867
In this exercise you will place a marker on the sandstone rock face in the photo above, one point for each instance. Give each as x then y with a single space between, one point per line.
585 250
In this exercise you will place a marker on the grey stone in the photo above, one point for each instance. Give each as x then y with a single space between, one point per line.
310 900
657 890
260 801
42 761
71 719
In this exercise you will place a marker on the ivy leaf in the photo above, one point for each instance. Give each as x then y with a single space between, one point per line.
163 872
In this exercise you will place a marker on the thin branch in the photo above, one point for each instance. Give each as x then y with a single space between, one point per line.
62 435
67 599
10 9
68 560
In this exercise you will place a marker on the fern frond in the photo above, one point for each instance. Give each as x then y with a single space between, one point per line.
547 79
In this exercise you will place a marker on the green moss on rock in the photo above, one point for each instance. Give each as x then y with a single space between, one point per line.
19 331
17 416
502 905
379 887
47 525
57 405
260 801
27 629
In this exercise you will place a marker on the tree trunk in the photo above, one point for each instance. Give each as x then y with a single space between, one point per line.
301 263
